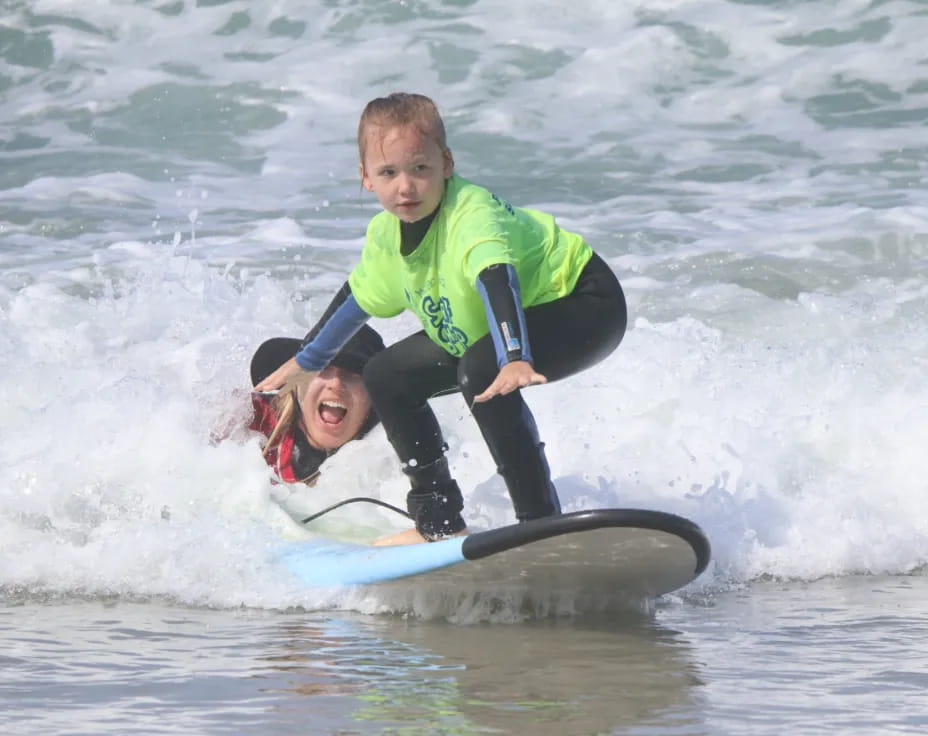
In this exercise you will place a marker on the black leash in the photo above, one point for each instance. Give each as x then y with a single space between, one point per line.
386 505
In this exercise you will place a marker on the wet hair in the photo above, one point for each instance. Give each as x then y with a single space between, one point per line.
399 109
287 406
287 450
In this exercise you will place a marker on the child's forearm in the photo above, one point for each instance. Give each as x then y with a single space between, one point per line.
498 286
343 318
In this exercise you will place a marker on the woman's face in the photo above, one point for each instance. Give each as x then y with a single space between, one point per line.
334 407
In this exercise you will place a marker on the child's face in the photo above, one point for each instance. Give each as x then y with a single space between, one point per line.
335 407
406 170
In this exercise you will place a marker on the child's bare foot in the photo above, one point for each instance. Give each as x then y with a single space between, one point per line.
409 536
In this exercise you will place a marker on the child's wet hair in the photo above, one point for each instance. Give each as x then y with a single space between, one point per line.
399 109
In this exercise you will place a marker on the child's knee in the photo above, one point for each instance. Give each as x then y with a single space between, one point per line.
378 373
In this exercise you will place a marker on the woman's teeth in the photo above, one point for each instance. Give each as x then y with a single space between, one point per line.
332 412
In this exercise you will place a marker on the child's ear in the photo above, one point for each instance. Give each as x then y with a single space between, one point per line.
365 179
449 163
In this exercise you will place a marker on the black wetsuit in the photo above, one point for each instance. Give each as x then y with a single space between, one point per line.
566 335
563 337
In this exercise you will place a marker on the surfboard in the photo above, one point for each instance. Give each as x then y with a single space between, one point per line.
635 552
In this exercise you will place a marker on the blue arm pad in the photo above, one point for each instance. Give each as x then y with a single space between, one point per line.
498 286
338 329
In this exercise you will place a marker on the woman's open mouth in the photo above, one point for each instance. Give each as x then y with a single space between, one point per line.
332 412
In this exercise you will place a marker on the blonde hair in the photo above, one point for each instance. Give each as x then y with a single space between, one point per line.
287 406
398 109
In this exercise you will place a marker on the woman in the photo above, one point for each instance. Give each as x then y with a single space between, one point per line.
316 413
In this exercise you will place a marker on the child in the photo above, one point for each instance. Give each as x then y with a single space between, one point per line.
505 297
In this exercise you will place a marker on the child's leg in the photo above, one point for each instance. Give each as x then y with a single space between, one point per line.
400 380
508 427
577 331
566 336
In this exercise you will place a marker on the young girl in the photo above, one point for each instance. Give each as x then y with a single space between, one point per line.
506 298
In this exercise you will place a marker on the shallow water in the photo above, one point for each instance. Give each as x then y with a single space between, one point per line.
839 655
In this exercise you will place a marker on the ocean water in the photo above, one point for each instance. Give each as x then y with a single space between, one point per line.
178 182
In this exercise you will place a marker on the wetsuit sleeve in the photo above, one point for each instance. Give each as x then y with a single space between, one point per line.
498 286
341 319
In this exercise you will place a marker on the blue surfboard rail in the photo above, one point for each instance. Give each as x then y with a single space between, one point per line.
326 562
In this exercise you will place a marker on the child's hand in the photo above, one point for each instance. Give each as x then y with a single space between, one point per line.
512 376
279 377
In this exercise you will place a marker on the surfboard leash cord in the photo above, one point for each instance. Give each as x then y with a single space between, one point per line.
357 499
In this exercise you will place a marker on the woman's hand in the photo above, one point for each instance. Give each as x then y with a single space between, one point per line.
279 377
512 376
